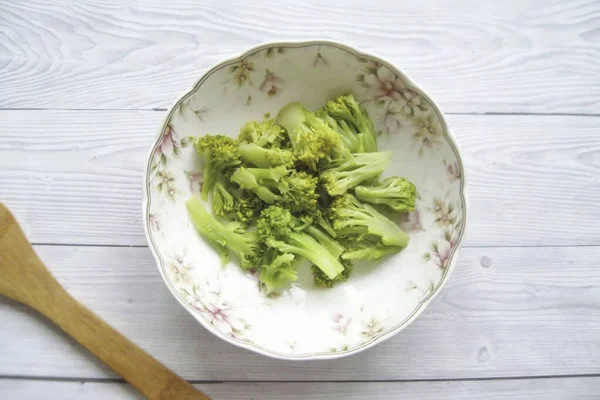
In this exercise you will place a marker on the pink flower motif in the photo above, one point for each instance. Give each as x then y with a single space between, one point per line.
452 170
154 223
195 180
439 253
271 84
169 143
219 318
341 323
385 84
412 222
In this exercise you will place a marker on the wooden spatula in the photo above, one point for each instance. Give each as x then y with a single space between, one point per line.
25 278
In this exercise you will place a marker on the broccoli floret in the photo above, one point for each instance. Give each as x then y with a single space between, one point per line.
277 270
265 134
232 235
222 201
297 189
324 223
275 228
346 109
299 192
312 139
350 173
396 192
247 207
220 153
323 280
352 219
264 182
352 140
253 154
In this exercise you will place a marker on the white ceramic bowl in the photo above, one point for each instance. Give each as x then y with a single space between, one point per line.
306 322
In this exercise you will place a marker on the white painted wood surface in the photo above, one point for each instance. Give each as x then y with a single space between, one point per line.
506 312
78 84
471 56
535 389
527 176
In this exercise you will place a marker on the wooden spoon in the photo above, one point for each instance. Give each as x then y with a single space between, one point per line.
25 278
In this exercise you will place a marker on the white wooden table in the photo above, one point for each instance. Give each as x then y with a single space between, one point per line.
83 85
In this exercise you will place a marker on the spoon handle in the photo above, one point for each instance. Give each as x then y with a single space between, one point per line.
141 370
25 278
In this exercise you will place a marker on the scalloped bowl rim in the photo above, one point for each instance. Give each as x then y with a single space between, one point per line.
422 304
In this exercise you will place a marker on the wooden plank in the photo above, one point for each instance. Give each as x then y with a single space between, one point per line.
534 389
75 177
509 56
506 312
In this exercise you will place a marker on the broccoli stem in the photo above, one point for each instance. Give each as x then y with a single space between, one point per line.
370 253
305 246
332 245
390 233
210 177
363 166
261 181
216 232
265 158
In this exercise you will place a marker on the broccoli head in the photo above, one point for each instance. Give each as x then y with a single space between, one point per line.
297 189
323 280
232 235
276 228
222 200
299 192
266 134
352 219
312 139
396 192
277 270
346 109
352 140
339 179
247 207
220 153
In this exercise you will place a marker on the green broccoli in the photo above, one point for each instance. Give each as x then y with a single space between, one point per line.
352 140
346 109
297 189
299 192
333 246
367 250
220 153
352 219
277 270
275 228
253 154
266 134
339 179
247 207
323 280
396 192
232 235
312 138
264 182
222 200
323 222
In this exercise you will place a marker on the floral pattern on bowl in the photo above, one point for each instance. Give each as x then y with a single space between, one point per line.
303 322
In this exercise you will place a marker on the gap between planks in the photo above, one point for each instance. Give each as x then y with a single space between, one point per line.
211 382
490 113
